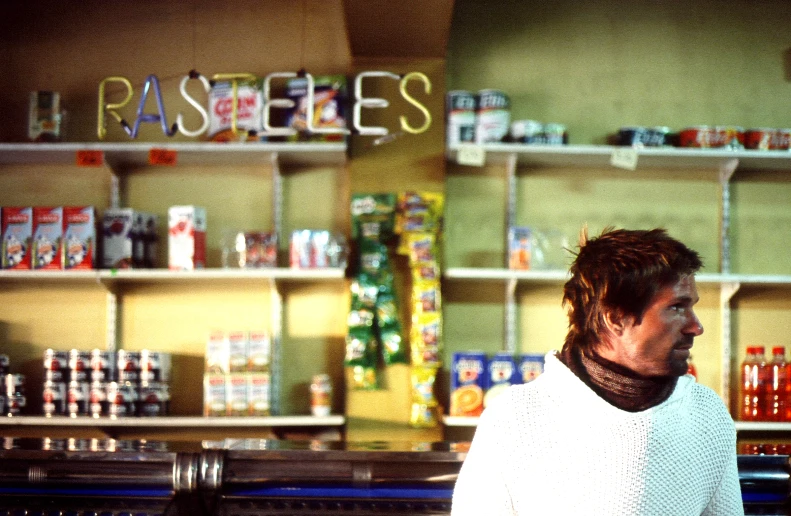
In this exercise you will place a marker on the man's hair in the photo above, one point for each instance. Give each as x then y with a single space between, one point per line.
619 273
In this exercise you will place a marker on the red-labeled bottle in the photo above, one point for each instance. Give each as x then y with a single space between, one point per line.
753 374
776 385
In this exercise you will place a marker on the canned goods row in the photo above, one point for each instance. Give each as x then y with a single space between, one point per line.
707 137
106 399
477 117
12 396
106 366
82 444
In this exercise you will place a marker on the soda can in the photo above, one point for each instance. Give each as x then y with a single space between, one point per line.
97 400
56 365
153 400
76 444
493 116
79 362
4 365
154 366
460 117
102 366
54 398
121 399
78 395
14 389
128 366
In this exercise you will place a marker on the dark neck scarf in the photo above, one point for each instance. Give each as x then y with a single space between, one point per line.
619 386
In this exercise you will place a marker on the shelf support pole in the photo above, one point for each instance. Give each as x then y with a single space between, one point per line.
276 325
727 169
509 329
277 199
727 291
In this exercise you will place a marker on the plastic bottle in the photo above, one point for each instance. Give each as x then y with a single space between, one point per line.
758 379
775 393
745 405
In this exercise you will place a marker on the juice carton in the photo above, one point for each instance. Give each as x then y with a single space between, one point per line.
236 394
214 395
79 237
217 353
467 382
259 349
186 238
258 394
47 237
530 366
118 238
237 352
502 374
17 233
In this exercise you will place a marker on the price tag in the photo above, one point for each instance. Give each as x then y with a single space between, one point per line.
162 157
624 157
90 158
473 155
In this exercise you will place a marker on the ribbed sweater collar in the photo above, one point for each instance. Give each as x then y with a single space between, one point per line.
618 385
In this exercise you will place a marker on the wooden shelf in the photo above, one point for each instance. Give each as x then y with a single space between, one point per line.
164 275
559 277
174 422
135 155
598 156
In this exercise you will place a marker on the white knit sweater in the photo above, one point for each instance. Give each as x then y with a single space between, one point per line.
554 447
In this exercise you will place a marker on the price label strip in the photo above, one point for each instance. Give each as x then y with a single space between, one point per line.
624 157
165 157
89 158
472 155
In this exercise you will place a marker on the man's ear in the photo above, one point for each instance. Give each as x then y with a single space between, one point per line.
614 323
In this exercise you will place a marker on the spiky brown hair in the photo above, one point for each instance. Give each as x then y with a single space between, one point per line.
619 273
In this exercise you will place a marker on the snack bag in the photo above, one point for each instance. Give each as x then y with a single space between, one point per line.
329 108
424 404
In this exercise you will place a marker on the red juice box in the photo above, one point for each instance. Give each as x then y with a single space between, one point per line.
117 239
79 237
236 394
259 350
47 237
17 233
237 352
186 238
214 395
467 383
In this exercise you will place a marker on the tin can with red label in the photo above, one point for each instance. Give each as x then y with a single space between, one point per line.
79 365
102 366
54 398
121 399
493 116
77 399
97 400
154 366
128 363
153 400
15 394
56 365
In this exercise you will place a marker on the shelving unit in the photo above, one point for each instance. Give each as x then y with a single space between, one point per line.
123 159
722 164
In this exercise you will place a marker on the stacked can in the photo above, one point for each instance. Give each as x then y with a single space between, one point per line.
102 383
13 390
3 372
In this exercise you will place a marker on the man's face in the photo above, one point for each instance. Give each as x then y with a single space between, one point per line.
661 343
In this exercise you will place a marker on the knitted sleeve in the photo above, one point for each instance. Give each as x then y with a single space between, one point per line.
480 488
727 499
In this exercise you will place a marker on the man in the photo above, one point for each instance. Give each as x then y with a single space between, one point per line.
613 426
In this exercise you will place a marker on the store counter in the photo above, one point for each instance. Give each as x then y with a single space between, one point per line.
93 477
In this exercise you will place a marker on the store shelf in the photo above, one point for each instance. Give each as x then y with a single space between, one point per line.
174 422
758 426
559 277
459 421
132 155
592 156
164 275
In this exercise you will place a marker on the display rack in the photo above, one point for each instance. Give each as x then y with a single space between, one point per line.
721 163
125 158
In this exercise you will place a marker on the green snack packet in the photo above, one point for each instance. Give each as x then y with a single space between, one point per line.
393 344
373 216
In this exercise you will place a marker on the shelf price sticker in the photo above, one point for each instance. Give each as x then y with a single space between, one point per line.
89 158
162 157
624 157
470 154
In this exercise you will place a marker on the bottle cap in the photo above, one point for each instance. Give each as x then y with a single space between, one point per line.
779 350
